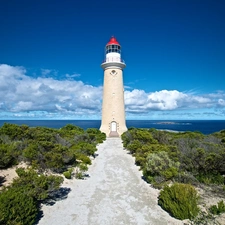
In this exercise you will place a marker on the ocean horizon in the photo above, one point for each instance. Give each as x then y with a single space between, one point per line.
203 126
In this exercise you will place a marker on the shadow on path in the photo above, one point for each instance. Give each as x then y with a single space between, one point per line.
58 195
2 180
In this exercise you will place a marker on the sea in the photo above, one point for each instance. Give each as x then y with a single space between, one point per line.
203 126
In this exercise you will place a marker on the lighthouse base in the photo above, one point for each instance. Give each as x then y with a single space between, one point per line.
111 132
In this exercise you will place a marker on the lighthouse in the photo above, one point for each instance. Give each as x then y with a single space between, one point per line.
113 110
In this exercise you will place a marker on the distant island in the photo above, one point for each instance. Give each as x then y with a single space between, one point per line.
171 123
166 122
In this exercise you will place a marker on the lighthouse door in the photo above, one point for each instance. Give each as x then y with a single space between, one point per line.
113 130
113 126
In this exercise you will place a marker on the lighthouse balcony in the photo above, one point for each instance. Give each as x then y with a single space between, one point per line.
113 59
113 63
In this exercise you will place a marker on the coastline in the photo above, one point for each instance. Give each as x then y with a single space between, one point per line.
204 126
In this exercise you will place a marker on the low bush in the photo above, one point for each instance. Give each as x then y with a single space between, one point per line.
211 178
81 157
17 208
159 164
217 209
7 158
80 171
179 200
186 178
36 185
67 174
20 203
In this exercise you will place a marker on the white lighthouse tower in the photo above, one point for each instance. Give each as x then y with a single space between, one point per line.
113 109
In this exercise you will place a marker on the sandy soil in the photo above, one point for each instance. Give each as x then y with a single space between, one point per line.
10 174
113 194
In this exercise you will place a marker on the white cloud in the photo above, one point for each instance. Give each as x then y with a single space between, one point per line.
171 101
25 96
200 99
165 100
20 93
71 76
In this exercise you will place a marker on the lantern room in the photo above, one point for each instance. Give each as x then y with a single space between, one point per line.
113 46
113 52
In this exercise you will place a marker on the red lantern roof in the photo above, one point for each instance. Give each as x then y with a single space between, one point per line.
113 41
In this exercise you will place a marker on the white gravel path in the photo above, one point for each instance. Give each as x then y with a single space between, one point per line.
113 194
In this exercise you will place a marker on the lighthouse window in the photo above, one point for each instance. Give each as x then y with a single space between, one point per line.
113 48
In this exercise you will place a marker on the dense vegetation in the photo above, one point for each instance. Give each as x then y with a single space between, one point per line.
189 158
46 148
64 151
174 162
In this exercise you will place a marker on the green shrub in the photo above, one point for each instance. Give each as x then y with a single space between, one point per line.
80 171
221 206
143 135
126 138
216 210
84 148
67 174
31 152
19 204
159 164
17 208
7 157
170 172
95 135
134 146
35 185
210 178
79 175
186 178
85 159
140 161
179 200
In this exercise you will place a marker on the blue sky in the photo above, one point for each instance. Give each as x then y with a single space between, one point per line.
51 51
